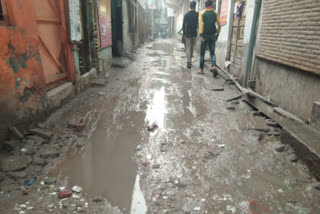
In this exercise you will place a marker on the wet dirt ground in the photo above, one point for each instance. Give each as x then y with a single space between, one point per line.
204 155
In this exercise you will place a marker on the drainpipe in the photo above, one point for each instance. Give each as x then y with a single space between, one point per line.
230 21
252 42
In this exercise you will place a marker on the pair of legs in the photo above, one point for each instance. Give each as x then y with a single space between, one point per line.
209 40
190 42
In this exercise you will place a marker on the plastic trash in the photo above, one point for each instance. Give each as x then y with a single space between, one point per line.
31 181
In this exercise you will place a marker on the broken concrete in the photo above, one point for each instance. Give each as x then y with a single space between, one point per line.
14 163
45 134
18 175
49 152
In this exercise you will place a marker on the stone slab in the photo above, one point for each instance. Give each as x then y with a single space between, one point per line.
15 163
56 96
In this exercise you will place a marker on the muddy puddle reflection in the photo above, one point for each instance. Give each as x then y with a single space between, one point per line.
105 169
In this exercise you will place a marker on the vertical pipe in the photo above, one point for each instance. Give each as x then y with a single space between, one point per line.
252 41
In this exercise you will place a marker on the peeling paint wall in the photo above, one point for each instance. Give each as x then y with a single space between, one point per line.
22 87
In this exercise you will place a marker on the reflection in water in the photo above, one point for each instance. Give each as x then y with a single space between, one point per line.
138 203
157 109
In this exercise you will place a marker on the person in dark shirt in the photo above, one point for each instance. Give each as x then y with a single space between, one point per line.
190 31
209 30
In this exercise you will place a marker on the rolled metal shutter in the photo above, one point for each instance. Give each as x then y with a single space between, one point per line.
290 33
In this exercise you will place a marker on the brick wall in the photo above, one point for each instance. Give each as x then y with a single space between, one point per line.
290 33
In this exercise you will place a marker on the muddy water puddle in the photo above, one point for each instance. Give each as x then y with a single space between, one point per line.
105 167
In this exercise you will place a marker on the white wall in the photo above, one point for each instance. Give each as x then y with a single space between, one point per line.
222 43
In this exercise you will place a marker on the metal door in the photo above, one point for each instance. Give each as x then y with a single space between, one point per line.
49 16
237 37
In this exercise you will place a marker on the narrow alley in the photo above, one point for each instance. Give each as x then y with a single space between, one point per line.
159 107
158 140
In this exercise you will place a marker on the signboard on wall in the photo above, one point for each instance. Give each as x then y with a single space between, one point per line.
75 20
105 26
152 4
224 12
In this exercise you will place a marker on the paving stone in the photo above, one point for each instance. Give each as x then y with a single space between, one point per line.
14 163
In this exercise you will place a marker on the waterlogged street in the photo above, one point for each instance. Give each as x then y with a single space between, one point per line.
158 139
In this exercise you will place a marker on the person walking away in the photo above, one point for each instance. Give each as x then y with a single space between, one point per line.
190 31
209 20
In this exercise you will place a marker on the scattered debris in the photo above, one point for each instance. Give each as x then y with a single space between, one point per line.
261 136
16 132
197 208
231 107
139 148
50 180
293 158
152 127
234 98
274 133
79 127
213 89
145 164
31 181
64 194
281 148
156 166
28 151
98 199
98 82
25 191
41 133
15 163
49 152
102 93
39 161
18 174
235 102
316 185
256 113
76 189
272 123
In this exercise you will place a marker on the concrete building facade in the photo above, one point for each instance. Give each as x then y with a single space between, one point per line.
273 50
35 59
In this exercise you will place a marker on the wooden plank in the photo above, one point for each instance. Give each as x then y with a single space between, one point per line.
53 57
